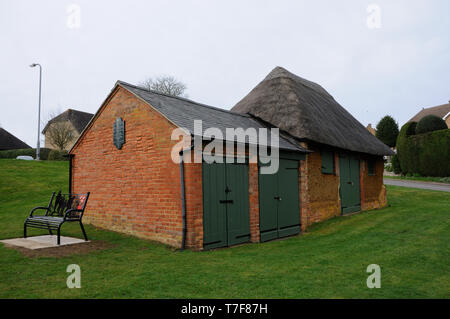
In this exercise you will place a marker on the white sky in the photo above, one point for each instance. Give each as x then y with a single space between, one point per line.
221 50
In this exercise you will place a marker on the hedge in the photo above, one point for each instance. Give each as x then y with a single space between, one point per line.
395 164
426 154
404 152
25 151
430 123
56 155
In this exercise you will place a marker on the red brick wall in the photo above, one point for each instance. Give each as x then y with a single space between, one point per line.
323 200
373 191
194 205
135 190
253 192
319 193
304 195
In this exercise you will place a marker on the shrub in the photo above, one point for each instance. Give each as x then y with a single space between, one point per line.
57 155
395 164
433 153
388 167
25 151
405 153
387 131
411 129
430 123
427 154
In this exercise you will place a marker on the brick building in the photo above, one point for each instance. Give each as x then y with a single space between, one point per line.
328 165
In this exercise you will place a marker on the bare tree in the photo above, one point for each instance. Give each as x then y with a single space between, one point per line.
60 134
166 84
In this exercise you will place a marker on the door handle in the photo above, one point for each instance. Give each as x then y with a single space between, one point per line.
227 190
277 198
226 201
351 183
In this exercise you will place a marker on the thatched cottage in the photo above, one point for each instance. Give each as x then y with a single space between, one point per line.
329 165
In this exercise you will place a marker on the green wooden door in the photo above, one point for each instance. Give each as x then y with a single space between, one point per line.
238 220
268 206
214 213
225 205
279 209
288 202
349 184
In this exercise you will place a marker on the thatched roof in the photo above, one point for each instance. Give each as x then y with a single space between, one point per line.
10 142
78 119
441 111
308 112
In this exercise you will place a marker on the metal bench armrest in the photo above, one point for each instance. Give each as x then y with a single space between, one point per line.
69 212
39 207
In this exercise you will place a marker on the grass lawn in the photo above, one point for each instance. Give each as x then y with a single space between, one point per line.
422 178
409 240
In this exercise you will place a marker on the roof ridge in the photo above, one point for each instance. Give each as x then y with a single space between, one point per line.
433 107
180 98
297 79
70 109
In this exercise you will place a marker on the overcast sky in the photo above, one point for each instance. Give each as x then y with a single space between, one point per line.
221 50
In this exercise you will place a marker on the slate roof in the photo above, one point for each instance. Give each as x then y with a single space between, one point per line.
182 112
10 142
78 119
308 112
440 110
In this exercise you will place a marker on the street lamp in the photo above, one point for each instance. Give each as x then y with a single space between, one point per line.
38 149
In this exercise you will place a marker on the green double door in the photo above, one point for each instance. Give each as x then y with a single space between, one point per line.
279 208
225 205
349 184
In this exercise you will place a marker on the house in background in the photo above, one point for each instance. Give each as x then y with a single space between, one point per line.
10 142
329 164
442 111
371 129
70 120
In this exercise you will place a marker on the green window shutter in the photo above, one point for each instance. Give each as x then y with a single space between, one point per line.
327 162
371 167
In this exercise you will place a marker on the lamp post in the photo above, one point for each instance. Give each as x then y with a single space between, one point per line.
38 149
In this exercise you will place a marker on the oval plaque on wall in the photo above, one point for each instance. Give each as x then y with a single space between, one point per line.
119 133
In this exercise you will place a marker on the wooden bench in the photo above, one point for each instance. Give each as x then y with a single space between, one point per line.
62 208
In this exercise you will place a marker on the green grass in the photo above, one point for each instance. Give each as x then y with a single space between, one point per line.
422 178
409 240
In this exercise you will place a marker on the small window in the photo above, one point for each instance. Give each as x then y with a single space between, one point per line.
371 167
327 162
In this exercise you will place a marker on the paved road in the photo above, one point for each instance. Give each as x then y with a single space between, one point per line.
423 185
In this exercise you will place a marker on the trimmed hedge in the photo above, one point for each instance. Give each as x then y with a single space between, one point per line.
395 164
56 155
426 154
430 123
25 151
404 153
